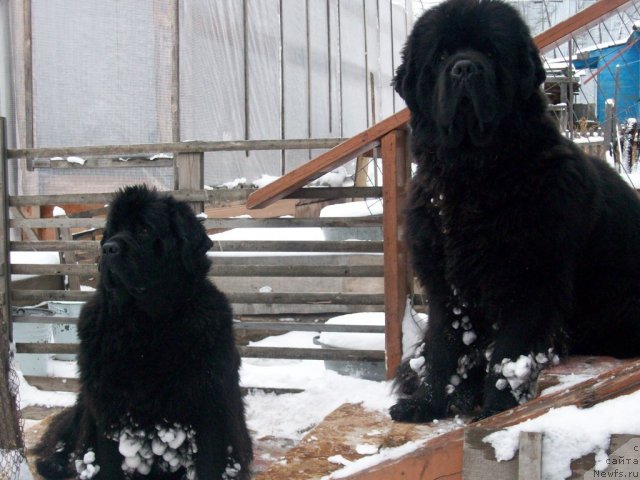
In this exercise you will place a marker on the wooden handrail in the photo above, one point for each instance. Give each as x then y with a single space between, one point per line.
371 137
578 23
317 167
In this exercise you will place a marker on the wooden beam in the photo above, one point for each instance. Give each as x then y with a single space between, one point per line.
396 176
347 150
216 197
194 146
578 23
239 270
10 435
234 297
188 174
60 384
210 223
245 352
442 457
102 163
530 456
218 246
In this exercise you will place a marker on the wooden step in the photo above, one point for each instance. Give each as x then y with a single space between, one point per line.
442 455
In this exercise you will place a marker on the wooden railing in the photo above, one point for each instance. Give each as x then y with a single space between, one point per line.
390 135
355 263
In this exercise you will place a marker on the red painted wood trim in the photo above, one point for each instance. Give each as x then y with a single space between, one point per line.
317 167
395 172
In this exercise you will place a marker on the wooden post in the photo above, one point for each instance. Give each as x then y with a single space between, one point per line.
395 182
69 258
188 174
530 456
608 127
10 437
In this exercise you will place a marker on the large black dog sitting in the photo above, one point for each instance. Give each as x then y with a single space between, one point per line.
159 394
527 248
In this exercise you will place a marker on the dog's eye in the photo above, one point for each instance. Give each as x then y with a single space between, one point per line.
443 56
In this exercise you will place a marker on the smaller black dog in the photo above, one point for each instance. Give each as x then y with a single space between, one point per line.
159 395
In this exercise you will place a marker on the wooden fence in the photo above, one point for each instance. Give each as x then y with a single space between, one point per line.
329 260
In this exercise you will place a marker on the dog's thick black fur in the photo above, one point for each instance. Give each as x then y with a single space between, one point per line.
157 360
527 248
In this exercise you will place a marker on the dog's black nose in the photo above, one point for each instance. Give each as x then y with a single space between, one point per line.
110 248
464 68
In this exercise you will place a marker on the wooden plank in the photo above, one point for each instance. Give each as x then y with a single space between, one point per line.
61 384
175 147
298 259
234 297
239 325
27 55
326 162
479 461
109 163
10 431
578 23
36 296
57 222
216 197
36 412
69 257
246 352
61 269
188 174
89 246
6 331
52 319
296 271
396 176
174 25
296 246
442 457
218 246
307 298
221 270
27 232
530 456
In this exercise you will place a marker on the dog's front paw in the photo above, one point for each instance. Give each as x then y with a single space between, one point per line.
412 411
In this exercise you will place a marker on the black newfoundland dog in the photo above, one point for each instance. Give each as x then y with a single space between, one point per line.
527 248
159 395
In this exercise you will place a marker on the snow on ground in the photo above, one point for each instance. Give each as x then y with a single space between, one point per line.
31 396
361 208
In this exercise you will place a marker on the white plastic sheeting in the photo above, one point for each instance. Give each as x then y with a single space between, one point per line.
248 69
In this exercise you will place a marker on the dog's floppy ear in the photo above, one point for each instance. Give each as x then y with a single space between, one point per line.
193 239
